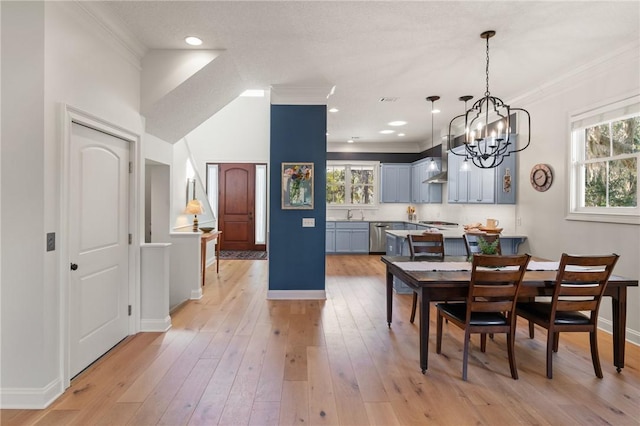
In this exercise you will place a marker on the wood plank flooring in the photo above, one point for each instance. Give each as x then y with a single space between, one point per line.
235 358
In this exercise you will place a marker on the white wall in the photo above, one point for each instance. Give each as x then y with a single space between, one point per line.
543 214
67 58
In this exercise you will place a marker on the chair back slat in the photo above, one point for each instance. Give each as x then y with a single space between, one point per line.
580 283
428 244
576 305
495 290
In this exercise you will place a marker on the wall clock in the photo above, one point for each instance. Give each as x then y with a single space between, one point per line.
541 177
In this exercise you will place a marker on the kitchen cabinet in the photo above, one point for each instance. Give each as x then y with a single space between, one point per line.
330 241
351 237
481 186
422 192
395 183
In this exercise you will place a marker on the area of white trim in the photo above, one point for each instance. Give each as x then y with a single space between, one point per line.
298 95
605 218
196 294
631 336
31 398
296 295
156 325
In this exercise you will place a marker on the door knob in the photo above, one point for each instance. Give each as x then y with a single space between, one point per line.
74 266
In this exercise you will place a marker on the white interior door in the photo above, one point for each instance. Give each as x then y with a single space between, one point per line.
98 244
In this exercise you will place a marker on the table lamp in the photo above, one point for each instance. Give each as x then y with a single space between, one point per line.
194 207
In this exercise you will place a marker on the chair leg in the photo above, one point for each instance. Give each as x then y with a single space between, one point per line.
483 342
593 337
556 341
512 355
439 333
465 354
531 332
413 307
550 335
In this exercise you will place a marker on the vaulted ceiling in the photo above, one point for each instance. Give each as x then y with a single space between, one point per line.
372 50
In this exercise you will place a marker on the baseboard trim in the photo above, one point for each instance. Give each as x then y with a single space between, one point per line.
296 295
196 294
631 336
153 325
30 398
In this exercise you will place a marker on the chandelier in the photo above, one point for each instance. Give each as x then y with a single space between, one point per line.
486 144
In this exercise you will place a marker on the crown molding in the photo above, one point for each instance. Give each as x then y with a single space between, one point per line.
299 95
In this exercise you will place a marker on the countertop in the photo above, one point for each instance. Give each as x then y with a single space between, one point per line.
448 233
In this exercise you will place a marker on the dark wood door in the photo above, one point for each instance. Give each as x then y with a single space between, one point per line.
237 207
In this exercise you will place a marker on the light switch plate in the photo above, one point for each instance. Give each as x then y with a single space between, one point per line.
308 222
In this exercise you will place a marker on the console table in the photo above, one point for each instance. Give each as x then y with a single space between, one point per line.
204 239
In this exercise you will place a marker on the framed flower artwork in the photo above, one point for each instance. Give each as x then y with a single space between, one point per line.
297 186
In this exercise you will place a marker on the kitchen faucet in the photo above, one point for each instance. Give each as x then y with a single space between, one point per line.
349 214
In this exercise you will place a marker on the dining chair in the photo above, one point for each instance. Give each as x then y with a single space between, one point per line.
471 242
577 292
490 305
424 245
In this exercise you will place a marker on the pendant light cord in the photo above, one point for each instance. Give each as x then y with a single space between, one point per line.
487 92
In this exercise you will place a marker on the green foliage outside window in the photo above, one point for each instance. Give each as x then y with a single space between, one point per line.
611 169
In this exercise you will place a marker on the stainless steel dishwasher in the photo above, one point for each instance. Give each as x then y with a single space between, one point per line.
378 236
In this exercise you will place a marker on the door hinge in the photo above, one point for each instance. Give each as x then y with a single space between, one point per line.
130 239
130 167
129 310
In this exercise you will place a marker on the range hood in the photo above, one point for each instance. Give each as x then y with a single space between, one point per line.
442 176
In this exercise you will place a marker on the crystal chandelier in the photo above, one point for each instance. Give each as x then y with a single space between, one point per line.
486 144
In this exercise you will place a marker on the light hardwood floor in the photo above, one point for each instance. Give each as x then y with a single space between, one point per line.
235 358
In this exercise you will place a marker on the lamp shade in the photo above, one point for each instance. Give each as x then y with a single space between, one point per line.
194 207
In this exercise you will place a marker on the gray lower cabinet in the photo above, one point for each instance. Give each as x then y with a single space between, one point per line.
330 242
350 237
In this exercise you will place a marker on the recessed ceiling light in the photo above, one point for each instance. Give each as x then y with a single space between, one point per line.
334 110
435 111
387 132
401 134
350 141
193 41
397 123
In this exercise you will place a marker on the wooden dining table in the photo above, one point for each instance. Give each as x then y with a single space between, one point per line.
440 286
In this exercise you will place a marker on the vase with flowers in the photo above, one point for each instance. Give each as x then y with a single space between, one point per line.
299 178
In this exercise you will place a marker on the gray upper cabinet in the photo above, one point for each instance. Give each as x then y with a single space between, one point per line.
481 186
395 183
422 192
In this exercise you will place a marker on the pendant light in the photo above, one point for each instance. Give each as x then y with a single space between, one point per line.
433 166
487 150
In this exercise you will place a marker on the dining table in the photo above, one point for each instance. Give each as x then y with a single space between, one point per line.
448 280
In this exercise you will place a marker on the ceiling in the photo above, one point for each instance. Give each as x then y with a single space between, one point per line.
372 50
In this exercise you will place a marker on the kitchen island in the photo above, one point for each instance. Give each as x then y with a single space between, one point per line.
397 245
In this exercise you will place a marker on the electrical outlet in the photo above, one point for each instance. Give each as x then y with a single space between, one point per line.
519 221
51 241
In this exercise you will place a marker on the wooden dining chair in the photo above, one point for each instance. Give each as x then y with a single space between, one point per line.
471 242
424 245
578 290
490 306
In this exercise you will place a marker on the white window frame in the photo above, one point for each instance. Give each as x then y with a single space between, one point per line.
613 111
376 184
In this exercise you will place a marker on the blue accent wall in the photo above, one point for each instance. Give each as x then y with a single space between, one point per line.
297 254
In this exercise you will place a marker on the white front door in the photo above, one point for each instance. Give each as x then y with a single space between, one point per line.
98 244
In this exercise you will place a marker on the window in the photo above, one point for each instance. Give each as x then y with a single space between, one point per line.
605 162
352 184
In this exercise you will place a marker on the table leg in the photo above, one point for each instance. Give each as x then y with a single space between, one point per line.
619 313
203 258
424 329
389 296
218 255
